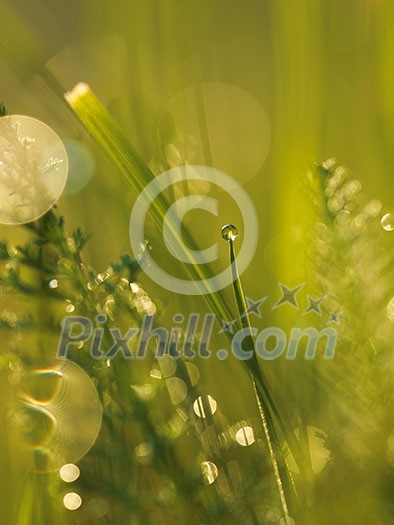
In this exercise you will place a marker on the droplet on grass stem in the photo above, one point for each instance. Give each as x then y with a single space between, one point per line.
229 232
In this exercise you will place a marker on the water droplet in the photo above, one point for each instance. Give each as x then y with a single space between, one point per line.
205 406
69 472
245 436
70 308
72 501
388 222
390 309
209 472
229 232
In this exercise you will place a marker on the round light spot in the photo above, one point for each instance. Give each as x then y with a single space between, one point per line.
33 169
177 390
73 402
72 501
81 166
245 436
387 222
53 284
204 406
209 472
193 372
69 472
237 126
167 365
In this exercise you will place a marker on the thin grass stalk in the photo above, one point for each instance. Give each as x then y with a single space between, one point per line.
283 477
116 145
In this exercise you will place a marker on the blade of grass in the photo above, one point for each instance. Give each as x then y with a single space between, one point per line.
283 477
116 145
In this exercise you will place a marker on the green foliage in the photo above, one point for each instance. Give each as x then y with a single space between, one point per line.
352 259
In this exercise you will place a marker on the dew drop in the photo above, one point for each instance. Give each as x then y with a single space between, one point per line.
229 232
388 222
209 472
